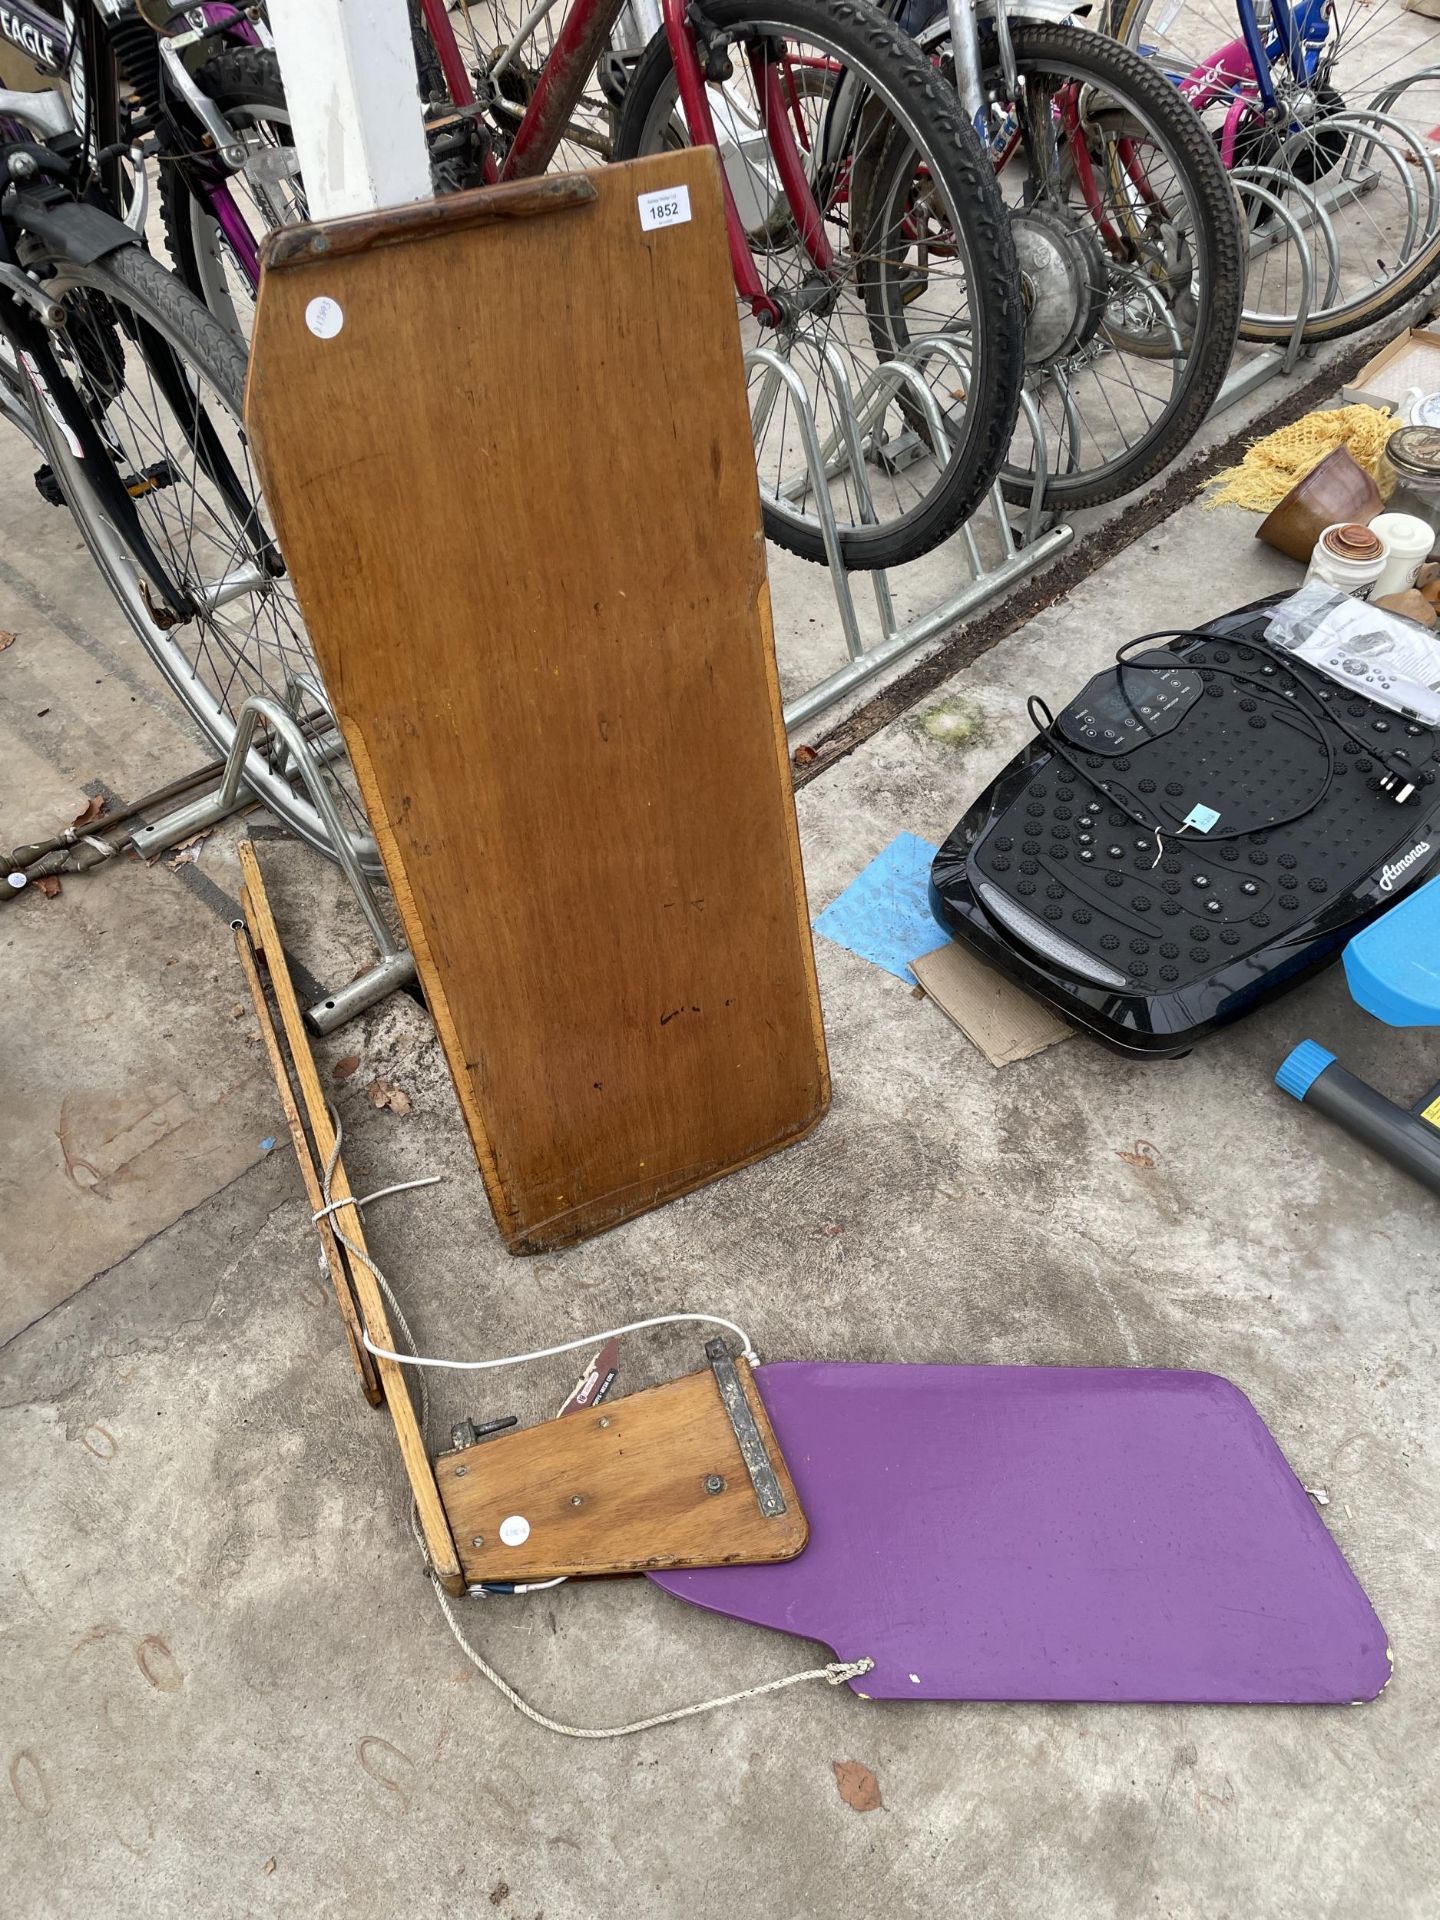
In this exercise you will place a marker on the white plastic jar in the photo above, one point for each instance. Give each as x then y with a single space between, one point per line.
1408 541
1348 556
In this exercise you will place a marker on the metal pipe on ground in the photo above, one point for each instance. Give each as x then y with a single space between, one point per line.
1315 1076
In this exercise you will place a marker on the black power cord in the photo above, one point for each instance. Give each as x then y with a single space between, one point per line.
1399 779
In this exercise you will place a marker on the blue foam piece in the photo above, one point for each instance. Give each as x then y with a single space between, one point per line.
1302 1067
1393 966
884 914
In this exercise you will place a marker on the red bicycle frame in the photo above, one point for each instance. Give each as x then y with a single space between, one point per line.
584 33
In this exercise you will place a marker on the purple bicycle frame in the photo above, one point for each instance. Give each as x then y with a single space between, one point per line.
216 194
41 37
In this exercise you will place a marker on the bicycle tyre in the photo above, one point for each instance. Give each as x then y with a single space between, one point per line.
1132 82
950 149
1123 21
134 283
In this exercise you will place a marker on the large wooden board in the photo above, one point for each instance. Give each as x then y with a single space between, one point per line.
517 494
624 1487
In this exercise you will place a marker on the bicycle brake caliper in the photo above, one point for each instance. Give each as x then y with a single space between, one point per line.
712 43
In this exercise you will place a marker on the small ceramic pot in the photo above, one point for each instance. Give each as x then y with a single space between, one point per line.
1335 490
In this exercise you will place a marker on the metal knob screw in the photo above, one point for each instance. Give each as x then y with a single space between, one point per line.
714 1483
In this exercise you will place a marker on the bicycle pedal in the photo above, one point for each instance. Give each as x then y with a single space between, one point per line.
160 473
612 73
48 487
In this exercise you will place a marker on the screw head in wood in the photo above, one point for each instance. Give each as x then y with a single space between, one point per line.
461 1470
714 1483
478 1540
577 1499
605 1420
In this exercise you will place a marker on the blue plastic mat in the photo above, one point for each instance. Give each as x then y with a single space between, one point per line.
884 914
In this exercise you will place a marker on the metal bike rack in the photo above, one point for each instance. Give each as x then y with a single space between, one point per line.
396 965
1022 549
1242 381
1374 137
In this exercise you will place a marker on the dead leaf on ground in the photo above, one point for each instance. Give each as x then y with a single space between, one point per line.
1141 1154
499 1894
187 853
269 1866
343 1069
6 640
92 810
238 1008
802 756
858 1786
381 1093
48 884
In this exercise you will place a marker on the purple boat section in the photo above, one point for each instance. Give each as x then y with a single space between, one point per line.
1052 1533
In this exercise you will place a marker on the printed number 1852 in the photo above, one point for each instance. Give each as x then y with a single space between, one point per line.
670 207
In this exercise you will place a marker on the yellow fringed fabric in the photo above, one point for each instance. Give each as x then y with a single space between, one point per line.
1274 464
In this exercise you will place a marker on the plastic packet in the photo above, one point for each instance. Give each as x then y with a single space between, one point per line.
1372 652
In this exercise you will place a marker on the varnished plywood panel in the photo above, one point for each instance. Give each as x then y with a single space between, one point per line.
517 495
625 1487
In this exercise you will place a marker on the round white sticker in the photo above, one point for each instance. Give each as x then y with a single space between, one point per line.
324 317
515 1530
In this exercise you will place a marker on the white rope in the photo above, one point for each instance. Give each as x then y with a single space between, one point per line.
835 1674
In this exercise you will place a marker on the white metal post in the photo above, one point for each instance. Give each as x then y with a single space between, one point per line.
350 84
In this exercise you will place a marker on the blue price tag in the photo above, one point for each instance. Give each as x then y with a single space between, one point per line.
1201 818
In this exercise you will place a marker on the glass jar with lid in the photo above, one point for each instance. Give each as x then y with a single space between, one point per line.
1411 464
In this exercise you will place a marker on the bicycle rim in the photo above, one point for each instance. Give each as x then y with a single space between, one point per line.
266 193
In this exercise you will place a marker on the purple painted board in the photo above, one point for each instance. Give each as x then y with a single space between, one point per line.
1052 1533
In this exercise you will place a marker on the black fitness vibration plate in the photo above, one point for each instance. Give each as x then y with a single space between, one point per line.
1076 874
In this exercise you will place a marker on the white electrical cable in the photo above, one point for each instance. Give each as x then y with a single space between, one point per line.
332 1207
835 1674
414 1359
567 1346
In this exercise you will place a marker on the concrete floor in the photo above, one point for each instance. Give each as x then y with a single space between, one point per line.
227 1688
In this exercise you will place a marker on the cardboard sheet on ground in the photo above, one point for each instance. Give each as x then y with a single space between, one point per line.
1037 1533
884 914
1001 1019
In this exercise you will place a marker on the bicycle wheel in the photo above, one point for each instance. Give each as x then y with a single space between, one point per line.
163 381
911 210
505 44
1129 246
244 82
1350 149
